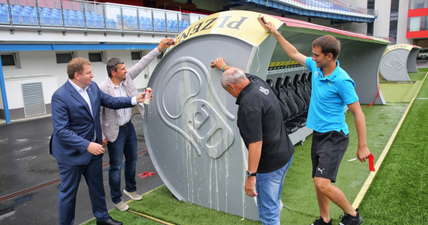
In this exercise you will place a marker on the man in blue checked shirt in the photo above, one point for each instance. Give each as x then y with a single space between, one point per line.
118 131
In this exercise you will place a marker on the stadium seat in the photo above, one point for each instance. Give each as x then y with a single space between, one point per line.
90 22
73 21
99 22
286 95
15 17
302 94
183 25
25 17
4 18
290 126
33 18
306 83
45 19
109 23
142 23
56 19
80 20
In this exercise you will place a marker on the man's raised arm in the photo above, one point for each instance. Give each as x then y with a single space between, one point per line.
289 49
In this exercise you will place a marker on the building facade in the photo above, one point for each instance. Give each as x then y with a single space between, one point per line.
39 37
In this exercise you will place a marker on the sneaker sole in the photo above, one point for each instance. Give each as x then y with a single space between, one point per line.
123 210
359 222
129 195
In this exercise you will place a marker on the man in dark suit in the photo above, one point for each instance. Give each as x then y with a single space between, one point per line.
77 139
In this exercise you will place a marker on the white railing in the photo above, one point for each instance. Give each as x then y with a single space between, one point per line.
332 6
93 15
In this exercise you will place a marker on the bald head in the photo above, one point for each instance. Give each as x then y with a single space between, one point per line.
233 81
232 76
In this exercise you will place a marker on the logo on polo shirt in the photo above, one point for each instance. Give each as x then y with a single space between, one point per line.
317 73
264 90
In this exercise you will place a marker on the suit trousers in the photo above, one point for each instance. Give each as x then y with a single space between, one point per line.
125 145
70 179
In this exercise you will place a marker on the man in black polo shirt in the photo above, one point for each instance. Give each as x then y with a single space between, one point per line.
270 150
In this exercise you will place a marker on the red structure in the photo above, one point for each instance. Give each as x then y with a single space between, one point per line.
417 26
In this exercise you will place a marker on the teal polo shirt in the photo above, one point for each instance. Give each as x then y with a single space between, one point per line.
329 98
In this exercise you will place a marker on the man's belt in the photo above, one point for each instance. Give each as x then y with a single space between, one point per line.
126 124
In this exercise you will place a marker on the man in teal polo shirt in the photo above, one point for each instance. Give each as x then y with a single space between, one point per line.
332 91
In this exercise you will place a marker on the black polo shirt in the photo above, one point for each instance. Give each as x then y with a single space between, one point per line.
260 119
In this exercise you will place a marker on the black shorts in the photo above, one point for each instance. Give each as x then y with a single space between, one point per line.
327 153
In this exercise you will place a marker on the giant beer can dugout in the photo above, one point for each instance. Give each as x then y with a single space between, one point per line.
190 125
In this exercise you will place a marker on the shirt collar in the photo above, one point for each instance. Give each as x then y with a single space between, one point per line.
113 85
244 91
78 89
332 75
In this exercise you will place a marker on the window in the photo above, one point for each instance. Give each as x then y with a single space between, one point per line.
136 55
425 23
415 23
416 4
8 60
95 56
64 57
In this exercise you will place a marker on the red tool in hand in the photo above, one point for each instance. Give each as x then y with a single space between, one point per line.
212 64
371 162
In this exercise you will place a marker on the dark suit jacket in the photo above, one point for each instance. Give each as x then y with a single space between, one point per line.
73 124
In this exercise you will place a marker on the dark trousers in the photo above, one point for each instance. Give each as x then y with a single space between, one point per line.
70 179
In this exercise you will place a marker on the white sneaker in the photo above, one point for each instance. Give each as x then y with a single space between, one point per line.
133 195
122 206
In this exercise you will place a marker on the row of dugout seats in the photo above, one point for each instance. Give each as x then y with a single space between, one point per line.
294 96
27 15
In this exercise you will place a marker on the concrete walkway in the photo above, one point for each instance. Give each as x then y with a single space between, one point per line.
29 176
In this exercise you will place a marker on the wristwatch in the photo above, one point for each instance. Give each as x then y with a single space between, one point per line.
249 174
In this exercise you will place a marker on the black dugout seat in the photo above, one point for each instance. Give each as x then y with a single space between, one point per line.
290 127
286 95
298 88
309 83
306 84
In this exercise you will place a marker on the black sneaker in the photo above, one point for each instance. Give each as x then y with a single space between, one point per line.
351 220
320 221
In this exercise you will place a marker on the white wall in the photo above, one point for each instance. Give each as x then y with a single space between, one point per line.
403 8
1 102
41 66
14 91
35 66
381 24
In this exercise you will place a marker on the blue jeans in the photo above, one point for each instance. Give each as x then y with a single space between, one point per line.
269 188
125 144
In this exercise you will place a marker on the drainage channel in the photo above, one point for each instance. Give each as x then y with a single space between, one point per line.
19 193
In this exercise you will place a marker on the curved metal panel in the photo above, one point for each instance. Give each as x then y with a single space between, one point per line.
190 126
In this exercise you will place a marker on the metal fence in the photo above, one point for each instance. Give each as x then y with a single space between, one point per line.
93 15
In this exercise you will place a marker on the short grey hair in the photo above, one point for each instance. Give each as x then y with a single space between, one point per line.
233 76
